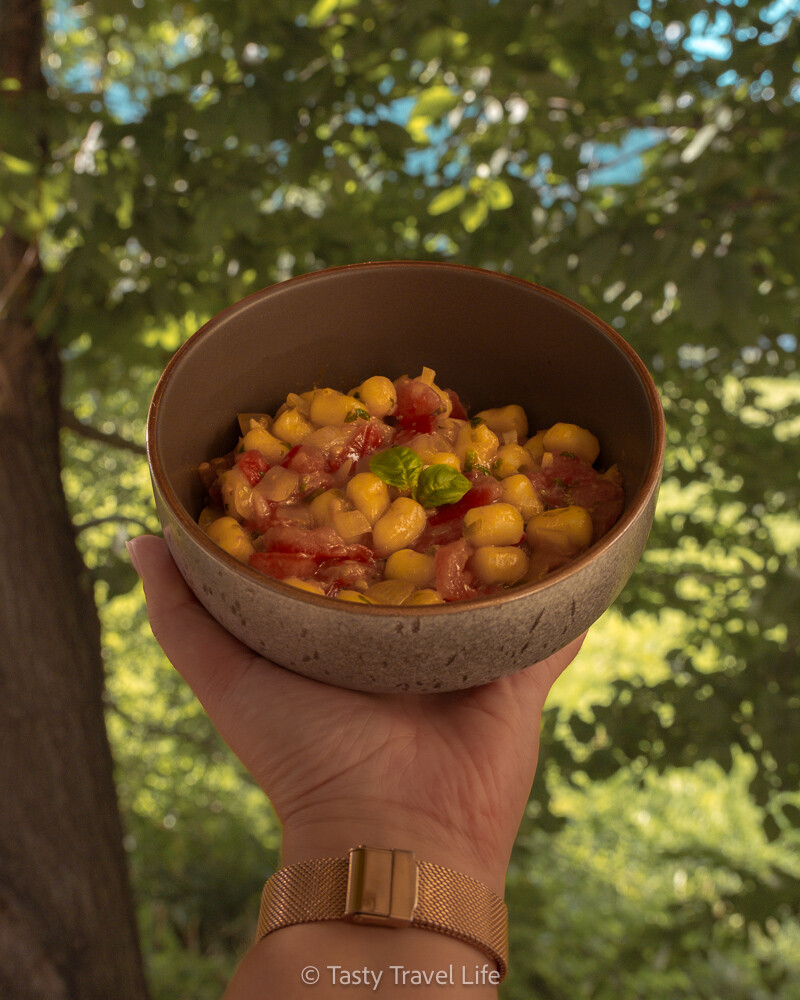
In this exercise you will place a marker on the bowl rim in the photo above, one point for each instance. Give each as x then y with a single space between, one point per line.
623 525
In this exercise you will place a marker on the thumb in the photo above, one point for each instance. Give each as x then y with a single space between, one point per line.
208 657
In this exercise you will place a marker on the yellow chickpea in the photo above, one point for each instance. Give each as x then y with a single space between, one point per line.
506 419
292 426
511 459
260 439
415 567
499 564
519 492
325 505
354 596
231 536
493 524
369 494
476 445
399 528
330 407
425 596
566 529
571 438
445 458
207 515
535 445
377 395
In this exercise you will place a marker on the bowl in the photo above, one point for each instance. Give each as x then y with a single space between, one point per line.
493 338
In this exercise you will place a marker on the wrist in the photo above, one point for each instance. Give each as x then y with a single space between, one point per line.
331 835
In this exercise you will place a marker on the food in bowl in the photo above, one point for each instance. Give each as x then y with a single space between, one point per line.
392 494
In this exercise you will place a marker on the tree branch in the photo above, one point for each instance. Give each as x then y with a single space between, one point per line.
26 263
71 423
209 743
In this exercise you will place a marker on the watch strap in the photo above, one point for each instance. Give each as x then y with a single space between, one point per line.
388 888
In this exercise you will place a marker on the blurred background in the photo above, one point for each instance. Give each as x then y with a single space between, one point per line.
160 160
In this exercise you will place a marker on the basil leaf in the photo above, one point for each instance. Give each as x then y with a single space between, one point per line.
398 467
439 485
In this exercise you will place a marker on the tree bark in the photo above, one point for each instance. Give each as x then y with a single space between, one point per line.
67 925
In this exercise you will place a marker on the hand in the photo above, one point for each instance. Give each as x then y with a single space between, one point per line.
446 775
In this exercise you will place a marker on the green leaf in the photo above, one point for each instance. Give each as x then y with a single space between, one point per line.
439 485
473 215
15 165
323 9
434 102
446 200
431 106
498 196
398 467
355 414
442 42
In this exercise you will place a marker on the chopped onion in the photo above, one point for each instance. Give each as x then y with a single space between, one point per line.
278 484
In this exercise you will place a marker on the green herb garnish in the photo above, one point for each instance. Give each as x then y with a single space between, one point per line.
398 467
439 485
355 414
432 487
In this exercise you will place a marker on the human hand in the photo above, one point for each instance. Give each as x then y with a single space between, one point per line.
445 775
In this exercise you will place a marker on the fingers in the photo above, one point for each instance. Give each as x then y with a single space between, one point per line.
208 657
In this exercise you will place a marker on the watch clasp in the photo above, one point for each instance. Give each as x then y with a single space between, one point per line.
381 887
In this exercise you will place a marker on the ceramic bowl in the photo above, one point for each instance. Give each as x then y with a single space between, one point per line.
494 339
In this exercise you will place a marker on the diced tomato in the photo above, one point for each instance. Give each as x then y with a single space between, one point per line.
318 544
347 573
569 481
417 405
363 440
261 513
310 465
253 465
484 490
453 580
405 434
439 534
282 564
458 412
604 501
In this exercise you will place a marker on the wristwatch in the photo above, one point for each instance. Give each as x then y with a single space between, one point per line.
387 887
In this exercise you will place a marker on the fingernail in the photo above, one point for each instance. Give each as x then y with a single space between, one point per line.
131 547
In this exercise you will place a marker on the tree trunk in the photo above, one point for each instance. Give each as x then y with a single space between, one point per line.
67 926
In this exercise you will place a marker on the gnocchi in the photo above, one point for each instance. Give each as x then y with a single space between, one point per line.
392 494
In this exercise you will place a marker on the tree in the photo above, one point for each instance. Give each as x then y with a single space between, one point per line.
66 913
157 177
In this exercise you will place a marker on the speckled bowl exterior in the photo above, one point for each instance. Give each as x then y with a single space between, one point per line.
494 339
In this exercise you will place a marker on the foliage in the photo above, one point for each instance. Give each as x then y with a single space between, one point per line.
641 159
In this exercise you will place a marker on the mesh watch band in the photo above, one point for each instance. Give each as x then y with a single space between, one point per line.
389 888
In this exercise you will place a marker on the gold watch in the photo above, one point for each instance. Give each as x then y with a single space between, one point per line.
387 888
